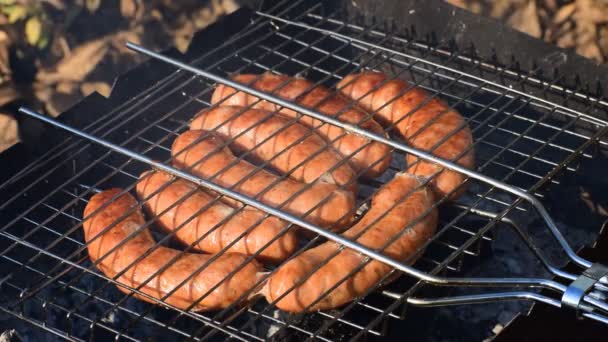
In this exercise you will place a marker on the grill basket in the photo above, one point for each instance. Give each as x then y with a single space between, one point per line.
530 131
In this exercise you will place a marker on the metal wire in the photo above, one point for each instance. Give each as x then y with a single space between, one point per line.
350 36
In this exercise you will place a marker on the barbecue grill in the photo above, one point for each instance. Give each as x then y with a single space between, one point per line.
534 128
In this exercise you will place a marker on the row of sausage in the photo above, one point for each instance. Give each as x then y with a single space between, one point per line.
312 170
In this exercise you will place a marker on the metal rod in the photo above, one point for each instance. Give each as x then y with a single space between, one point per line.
483 298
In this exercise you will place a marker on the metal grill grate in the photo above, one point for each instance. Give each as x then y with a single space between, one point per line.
527 131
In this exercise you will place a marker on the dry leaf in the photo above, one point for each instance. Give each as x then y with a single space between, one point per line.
590 50
182 41
58 4
42 91
551 4
563 35
101 87
592 11
56 103
526 20
475 7
120 39
458 3
8 93
92 5
65 87
586 31
183 36
33 30
543 15
500 8
64 46
5 68
203 17
604 41
9 134
550 34
156 14
51 108
567 40
230 6
15 13
128 8
78 64
564 13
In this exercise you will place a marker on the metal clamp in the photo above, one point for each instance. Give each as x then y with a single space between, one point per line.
580 286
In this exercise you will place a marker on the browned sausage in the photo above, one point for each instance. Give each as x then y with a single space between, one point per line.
443 122
100 242
199 152
267 136
389 215
372 157
191 219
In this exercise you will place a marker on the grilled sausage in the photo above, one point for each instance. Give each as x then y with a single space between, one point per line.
411 123
267 136
199 152
366 155
191 219
390 213
101 240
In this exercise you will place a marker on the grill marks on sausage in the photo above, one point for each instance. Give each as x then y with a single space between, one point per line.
423 121
400 221
180 267
289 147
389 218
370 157
191 213
201 153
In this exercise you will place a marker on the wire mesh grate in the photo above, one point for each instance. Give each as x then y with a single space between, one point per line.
520 138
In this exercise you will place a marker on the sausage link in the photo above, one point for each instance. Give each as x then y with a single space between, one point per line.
442 122
267 137
389 214
373 158
199 152
224 222
100 243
